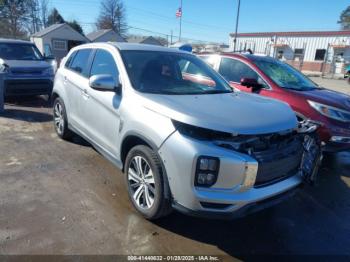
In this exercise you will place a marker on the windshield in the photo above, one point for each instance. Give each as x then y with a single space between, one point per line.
14 51
285 75
172 73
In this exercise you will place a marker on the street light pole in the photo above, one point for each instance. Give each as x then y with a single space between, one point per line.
236 31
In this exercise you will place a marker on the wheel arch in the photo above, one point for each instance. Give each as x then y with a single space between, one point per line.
132 139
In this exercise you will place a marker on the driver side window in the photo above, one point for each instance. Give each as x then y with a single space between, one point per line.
233 70
104 64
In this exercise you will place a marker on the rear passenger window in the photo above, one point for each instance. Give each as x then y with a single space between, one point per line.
104 64
234 70
80 62
69 60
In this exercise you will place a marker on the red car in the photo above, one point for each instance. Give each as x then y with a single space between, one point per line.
272 78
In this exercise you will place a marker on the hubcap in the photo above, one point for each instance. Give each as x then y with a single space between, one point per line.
141 182
58 118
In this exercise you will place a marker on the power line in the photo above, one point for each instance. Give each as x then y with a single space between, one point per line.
148 12
158 33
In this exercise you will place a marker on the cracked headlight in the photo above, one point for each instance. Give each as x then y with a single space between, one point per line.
331 112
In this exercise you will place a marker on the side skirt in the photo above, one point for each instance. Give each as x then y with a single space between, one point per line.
103 152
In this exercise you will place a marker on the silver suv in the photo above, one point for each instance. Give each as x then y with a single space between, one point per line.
184 141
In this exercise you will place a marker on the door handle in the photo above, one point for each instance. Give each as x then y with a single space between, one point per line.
85 93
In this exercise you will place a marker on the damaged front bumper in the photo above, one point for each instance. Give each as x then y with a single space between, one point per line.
253 169
312 157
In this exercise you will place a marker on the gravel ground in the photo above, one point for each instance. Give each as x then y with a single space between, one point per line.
60 197
335 84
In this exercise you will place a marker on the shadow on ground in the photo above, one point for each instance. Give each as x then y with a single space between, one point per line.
29 101
16 108
312 222
28 116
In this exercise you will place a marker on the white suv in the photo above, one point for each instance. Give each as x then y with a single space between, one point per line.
183 141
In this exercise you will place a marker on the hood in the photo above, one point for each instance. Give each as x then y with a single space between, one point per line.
237 113
327 97
27 64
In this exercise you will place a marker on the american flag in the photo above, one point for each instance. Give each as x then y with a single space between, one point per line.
179 12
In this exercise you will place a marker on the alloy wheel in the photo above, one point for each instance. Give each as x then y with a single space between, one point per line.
141 182
59 118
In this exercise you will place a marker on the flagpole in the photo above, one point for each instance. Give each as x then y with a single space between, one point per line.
180 21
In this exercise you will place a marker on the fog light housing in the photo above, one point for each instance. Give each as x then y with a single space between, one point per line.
207 170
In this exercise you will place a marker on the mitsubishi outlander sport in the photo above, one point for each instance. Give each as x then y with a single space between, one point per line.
192 144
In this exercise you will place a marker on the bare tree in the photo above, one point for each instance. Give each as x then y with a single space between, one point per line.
13 18
112 16
34 22
44 12
345 19
54 17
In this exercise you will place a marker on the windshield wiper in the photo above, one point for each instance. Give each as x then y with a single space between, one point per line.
217 91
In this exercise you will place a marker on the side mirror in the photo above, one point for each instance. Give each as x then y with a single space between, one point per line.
250 82
104 83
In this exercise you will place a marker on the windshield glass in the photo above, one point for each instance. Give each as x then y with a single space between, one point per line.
285 75
12 51
172 73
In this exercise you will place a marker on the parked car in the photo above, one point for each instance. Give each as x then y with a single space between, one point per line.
272 78
26 71
347 73
191 145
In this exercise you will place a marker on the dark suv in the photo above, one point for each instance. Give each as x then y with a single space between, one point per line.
25 70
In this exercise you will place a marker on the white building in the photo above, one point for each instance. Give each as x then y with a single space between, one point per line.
107 35
57 40
322 51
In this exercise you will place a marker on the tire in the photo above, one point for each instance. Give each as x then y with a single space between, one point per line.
148 191
60 119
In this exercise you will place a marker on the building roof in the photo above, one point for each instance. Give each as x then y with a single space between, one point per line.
97 34
300 33
140 39
47 30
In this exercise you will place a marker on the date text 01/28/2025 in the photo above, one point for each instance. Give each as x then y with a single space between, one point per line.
174 258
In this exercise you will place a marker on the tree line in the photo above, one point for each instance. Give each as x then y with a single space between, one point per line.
22 18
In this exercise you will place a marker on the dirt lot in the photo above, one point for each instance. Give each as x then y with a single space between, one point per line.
61 197
335 84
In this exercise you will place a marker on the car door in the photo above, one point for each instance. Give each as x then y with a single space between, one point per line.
75 80
234 70
101 108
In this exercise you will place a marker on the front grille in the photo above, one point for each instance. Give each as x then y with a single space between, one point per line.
31 72
27 87
281 160
279 155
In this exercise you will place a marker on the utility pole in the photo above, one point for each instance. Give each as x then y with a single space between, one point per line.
236 31
171 37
